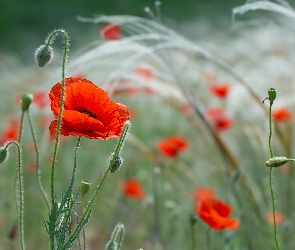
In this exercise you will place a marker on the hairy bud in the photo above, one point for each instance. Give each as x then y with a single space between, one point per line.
84 187
3 154
117 163
43 55
276 161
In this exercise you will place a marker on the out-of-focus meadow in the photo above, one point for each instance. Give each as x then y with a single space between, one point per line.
192 80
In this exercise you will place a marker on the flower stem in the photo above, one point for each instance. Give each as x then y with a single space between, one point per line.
193 237
208 238
270 179
50 40
21 202
90 203
38 171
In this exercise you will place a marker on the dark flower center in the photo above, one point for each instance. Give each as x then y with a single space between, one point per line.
87 112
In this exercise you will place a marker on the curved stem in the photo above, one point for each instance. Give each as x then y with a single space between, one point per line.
38 171
66 46
21 202
270 179
90 204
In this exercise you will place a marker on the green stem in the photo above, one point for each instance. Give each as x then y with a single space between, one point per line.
84 233
21 202
38 171
193 237
90 204
208 238
270 179
21 127
64 60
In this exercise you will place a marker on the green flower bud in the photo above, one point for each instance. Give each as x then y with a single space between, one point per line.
192 219
27 99
276 161
111 245
272 94
117 163
43 55
84 187
3 154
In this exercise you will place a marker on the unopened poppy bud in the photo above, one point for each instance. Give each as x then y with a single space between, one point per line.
117 163
27 99
192 219
272 94
43 55
276 161
84 187
111 245
3 154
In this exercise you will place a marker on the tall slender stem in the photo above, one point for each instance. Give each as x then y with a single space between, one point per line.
38 171
270 179
21 197
64 60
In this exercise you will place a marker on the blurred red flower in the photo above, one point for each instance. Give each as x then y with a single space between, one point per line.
208 77
144 73
203 193
172 146
11 132
282 115
132 189
219 118
220 90
280 218
41 99
88 111
110 32
216 214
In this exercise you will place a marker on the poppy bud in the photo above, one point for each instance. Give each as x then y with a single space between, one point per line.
276 161
27 99
192 219
3 154
272 94
117 163
111 245
43 55
84 187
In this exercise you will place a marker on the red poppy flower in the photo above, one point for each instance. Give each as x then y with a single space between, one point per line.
11 133
282 115
219 118
280 218
132 189
172 146
41 99
203 193
88 111
110 32
216 214
220 90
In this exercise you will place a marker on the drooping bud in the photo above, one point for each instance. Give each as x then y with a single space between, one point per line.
84 187
111 245
117 163
3 154
272 94
27 99
277 161
43 55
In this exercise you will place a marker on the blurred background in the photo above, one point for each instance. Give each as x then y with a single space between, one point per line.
24 24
